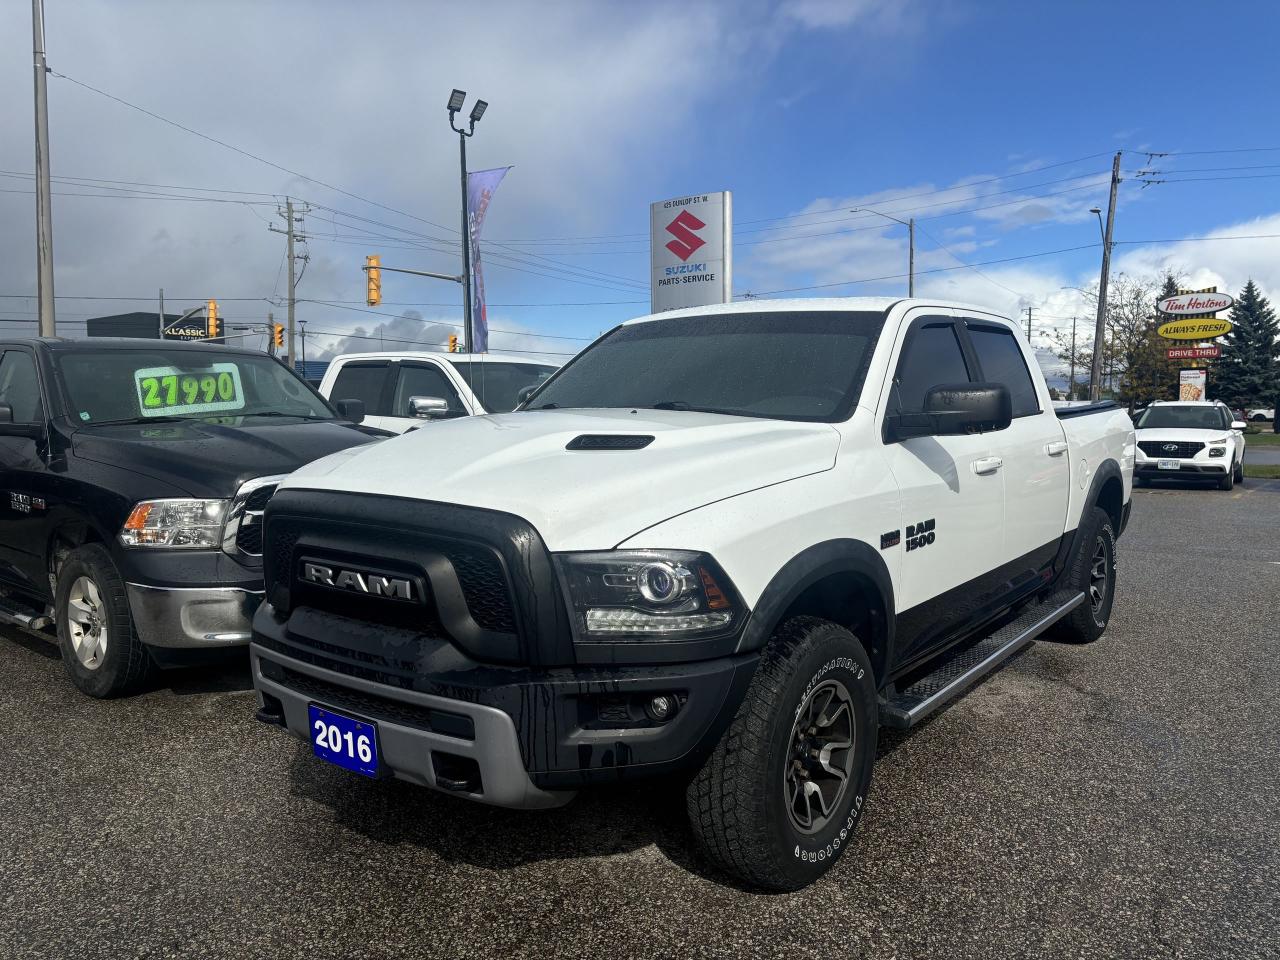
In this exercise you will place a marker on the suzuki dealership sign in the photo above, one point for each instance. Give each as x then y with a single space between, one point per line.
691 251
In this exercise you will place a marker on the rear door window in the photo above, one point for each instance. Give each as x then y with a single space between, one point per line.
365 381
1002 362
931 357
424 380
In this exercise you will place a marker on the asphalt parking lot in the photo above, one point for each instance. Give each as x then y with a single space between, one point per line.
1118 800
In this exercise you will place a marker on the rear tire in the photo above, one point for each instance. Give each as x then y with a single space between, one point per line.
778 799
100 648
1092 572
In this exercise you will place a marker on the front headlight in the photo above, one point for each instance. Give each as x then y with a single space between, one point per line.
642 594
182 524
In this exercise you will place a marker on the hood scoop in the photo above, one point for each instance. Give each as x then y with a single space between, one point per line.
609 441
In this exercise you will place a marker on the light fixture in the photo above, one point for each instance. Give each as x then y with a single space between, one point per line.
456 99
478 110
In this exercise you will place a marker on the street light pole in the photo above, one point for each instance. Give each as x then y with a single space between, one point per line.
44 193
456 100
910 224
1099 332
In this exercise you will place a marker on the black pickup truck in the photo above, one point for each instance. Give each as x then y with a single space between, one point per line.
133 476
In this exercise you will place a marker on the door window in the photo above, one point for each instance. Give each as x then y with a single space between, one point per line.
1002 362
19 386
931 357
424 380
362 381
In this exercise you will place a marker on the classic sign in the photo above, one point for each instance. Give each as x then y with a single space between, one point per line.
1185 304
1194 329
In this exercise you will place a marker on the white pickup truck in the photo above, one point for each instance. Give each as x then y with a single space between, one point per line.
399 391
732 541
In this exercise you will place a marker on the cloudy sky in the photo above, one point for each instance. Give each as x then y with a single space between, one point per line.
993 123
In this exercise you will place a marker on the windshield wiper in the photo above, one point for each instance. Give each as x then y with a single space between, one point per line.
102 423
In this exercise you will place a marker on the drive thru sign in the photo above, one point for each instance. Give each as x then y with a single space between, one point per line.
691 251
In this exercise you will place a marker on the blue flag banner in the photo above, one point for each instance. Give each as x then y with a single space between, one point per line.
480 189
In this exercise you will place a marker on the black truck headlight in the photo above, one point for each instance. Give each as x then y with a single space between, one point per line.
643 594
175 524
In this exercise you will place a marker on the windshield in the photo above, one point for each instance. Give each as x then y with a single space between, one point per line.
497 384
1185 418
787 366
151 384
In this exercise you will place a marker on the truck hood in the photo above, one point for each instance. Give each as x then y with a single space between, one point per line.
212 459
1185 434
581 499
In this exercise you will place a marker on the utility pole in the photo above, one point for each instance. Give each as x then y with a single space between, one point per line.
911 256
161 327
304 349
44 194
271 334
1029 324
292 235
1099 332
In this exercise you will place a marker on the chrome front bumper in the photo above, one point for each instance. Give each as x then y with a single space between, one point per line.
193 617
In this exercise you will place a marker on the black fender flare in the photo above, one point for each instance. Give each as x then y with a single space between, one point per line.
842 556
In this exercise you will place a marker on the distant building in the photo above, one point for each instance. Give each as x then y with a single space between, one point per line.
146 325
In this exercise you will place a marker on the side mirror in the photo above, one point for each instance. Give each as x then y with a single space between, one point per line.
1239 425
428 408
955 408
352 410
10 429
523 395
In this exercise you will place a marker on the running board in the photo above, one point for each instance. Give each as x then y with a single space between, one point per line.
911 705
14 614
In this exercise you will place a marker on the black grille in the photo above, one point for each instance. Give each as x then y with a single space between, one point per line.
367 664
370 705
609 441
258 499
485 587
249 536
479 571
1156 448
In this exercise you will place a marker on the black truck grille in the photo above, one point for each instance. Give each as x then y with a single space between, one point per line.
249 533
1183 449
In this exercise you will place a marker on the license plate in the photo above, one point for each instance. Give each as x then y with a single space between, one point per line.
351 744
1170 465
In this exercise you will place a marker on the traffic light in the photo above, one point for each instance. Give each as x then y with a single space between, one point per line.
213 326
453 343
374 279
277 334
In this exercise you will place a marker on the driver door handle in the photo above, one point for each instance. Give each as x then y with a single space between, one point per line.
986 465
1056 448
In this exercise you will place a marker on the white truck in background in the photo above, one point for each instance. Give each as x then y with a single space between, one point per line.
401 390
730 541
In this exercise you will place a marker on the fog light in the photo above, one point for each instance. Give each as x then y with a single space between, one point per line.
660 709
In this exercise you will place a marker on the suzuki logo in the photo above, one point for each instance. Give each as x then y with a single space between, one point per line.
686 242
358 581
1170 448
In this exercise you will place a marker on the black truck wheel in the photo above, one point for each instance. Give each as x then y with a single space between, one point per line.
778 799
1093 572
100 648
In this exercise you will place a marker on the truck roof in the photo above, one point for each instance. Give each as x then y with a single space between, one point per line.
814 304
441 355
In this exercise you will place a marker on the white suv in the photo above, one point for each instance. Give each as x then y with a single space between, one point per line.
401 391
1198 440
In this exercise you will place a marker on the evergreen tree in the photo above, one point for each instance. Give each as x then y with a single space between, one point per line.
1150 374
1248 375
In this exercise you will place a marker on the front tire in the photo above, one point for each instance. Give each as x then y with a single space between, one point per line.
1227 480
1239 472
778 799
100 648
1093 572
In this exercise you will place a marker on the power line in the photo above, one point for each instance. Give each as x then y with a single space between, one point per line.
246 153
